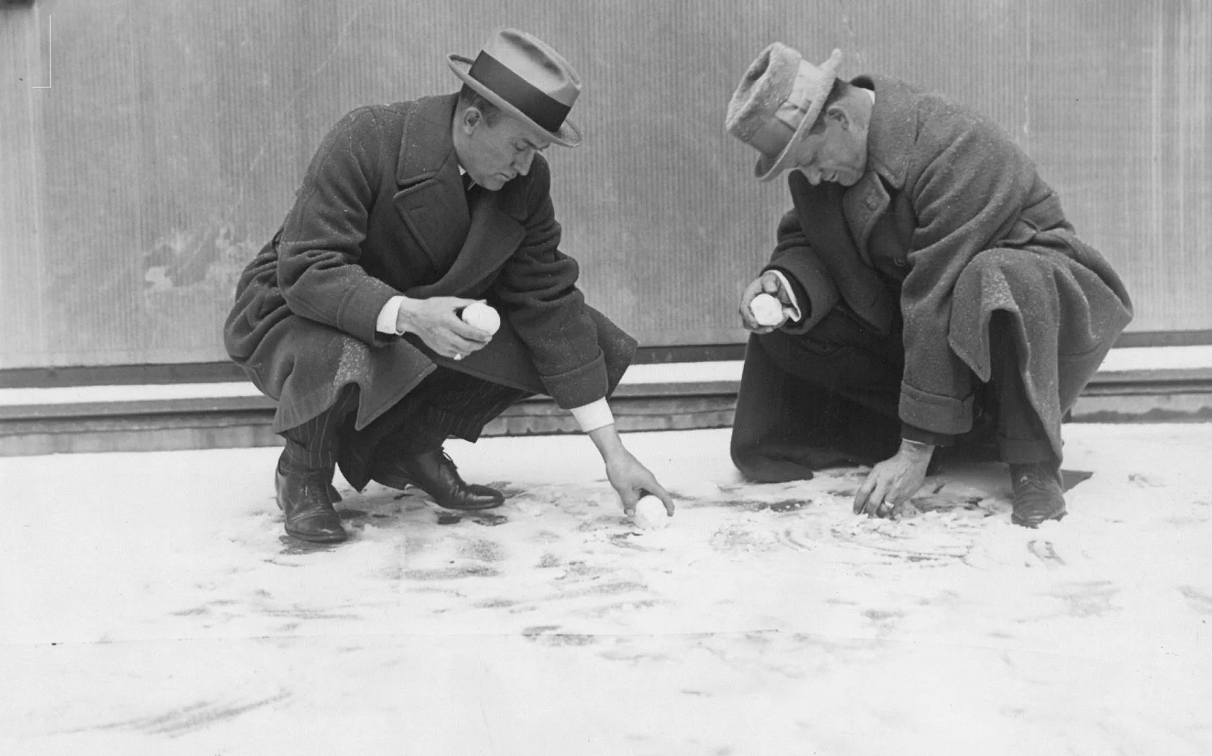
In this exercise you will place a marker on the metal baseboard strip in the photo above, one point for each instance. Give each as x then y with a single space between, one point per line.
655 397
250 428
217 428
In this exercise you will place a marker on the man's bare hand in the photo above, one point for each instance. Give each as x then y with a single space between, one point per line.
893 481
437 323
626 474
632 480
767 283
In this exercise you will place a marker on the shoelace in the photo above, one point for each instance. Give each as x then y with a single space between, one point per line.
314 479
1033 477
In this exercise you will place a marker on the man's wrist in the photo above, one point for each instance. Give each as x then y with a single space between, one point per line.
916 449
404 315
792 308
607 440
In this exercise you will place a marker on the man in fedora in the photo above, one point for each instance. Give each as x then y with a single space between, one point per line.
350 316
932 293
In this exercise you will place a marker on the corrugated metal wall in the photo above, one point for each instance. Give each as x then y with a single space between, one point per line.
174 132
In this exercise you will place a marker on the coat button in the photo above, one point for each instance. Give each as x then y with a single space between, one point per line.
900 262
872 202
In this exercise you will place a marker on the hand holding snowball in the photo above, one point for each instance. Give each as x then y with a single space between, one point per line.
767 310
630 479
764 304
483 316
437 322
650 513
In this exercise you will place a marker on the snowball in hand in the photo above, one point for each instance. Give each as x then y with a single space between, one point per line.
767 310
481 316
650 513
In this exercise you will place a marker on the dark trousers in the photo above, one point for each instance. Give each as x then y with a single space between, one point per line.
831 397
1021 438
446 403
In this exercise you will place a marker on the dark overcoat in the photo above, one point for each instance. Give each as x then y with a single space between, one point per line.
949 224
382 211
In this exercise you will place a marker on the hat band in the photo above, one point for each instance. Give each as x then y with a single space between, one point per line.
799 100
534 103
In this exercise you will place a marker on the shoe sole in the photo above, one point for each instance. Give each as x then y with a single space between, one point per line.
316 539
401 484
1029 524
469 509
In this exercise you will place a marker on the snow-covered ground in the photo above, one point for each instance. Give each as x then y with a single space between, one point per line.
152 605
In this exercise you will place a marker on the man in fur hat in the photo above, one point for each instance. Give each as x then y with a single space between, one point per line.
350 317
930 292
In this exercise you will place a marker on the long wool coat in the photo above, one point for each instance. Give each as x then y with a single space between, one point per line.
382 211
943 188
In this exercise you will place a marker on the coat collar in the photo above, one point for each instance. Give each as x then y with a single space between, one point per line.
892 129
427 149
890 137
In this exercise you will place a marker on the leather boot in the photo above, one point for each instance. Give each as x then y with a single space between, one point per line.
1038 495
435 474
303 498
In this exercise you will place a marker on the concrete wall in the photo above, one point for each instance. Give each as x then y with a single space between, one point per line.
149 147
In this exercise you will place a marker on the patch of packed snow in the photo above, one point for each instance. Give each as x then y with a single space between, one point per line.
152 604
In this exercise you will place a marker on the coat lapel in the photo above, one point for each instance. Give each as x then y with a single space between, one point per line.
430 200
494 236
863 204
823 220
889 139
465 243
893 128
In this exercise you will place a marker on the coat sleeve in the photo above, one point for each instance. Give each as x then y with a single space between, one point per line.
321 240
794 257
537 288
969 183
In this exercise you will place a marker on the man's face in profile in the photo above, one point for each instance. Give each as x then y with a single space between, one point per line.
834 150
496 154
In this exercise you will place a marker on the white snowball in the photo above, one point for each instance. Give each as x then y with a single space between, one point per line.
481 316
767 310
650 513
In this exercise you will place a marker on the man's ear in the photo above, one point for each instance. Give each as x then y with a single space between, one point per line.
471 119
837 112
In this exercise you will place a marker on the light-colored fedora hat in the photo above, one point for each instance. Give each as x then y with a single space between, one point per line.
524 77
776 103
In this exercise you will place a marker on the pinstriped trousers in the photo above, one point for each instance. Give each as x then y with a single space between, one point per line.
445 404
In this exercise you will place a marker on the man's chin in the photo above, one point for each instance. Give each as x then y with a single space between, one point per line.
494 183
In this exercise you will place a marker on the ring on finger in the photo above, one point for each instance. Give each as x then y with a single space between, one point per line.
457 357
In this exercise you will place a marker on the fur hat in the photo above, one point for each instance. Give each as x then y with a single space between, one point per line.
528 80
777 102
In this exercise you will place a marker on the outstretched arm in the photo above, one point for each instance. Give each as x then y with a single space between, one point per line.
628 476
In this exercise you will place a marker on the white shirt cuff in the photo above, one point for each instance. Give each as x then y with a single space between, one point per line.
593 415
389 315
793 308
